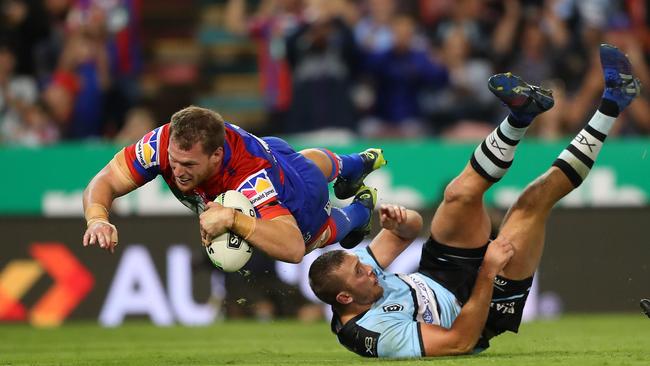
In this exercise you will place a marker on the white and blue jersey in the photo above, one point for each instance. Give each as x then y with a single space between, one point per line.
391 327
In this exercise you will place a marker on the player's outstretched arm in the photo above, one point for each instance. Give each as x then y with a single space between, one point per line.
279 238
400 227
466 329
111 182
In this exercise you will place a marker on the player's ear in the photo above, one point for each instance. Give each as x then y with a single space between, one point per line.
344 298
217 153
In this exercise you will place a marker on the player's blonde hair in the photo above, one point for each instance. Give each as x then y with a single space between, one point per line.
195 124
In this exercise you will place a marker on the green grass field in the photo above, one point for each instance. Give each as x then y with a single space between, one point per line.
572 340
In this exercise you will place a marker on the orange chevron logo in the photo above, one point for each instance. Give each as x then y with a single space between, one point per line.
72 282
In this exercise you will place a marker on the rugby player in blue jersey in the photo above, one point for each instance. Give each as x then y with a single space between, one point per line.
468 288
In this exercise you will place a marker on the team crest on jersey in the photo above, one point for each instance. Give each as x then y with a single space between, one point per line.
258 188
146 150
392 307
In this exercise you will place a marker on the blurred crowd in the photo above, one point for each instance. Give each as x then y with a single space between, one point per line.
413 68
69 69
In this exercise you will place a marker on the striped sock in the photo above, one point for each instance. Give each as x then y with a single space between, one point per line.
578 158
494 155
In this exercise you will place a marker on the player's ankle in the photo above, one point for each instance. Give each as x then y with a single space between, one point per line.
609 107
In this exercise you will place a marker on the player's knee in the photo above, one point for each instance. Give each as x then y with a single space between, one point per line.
459 192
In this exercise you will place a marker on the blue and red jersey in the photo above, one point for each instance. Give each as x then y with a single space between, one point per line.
277 180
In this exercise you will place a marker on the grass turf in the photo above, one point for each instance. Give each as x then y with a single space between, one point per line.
621 339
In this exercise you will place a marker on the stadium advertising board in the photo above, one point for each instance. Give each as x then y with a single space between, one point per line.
595 261
415 176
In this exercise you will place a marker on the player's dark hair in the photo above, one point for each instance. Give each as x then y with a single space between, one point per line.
195 124
322 279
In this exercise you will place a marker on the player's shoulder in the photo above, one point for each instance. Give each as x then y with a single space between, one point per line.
237 139
356 337
150 150
374 332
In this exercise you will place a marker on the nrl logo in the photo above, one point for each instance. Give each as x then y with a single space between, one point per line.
392 307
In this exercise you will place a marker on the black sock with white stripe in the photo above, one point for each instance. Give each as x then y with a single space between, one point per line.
494 155
578 158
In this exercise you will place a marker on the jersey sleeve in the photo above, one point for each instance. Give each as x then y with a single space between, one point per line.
385 333
263 195
401 339
143 158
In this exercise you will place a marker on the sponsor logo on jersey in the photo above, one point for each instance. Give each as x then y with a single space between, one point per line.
427 308
258 188
500 281
370 345
504 308
392 307
146 150
328 208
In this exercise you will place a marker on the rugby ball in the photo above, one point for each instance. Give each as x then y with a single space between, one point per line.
228 251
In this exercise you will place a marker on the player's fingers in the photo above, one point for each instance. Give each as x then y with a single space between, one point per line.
101 240
384 209
393 212
402 214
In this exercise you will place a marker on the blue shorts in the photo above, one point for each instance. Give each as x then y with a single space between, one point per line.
304 190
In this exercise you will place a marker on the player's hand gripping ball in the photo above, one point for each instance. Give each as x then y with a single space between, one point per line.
228 251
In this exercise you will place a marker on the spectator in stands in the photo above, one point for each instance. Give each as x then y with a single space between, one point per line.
17 95
48 50
24 22
461 111
465 15
324 59
116 25
77 89
373 31
273 21
138 122
400 73
39 128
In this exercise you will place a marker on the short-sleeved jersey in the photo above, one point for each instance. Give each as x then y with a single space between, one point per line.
391 327
270 177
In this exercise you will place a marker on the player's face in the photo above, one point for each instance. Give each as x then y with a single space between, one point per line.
360 281
192 167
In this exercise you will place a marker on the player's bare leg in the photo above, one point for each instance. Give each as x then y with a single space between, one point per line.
322 160
525 221
461 220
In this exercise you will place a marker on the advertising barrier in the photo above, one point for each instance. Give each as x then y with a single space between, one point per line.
53 178
595 260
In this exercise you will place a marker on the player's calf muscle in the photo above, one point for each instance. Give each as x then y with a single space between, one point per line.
542 194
